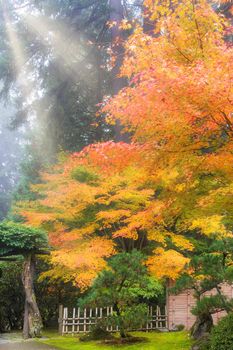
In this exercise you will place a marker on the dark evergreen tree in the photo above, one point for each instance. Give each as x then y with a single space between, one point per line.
62 52
18 240
11 146
124 285
210 266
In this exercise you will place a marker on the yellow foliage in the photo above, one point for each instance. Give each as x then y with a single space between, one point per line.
177 107
210 226
84 260
181 242
166 264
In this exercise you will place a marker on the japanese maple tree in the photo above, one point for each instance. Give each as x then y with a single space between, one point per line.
153 193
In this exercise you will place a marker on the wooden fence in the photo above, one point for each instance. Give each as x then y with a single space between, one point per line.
76 320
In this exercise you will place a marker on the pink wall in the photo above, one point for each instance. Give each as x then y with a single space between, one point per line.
179 307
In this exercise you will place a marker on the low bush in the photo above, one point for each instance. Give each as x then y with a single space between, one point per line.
222 335
98 332
180 327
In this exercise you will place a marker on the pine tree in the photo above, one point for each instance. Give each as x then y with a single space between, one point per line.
18 240
209 267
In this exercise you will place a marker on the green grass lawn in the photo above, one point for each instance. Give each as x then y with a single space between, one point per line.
155 341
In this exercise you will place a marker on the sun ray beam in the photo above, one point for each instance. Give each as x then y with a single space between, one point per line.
20 60
69 49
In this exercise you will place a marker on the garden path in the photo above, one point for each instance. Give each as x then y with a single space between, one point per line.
13 342
25 346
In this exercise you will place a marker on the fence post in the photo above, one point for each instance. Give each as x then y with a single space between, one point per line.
168 305
60 319
85 321
73 321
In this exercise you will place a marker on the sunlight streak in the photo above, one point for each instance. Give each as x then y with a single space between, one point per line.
20 60
70 53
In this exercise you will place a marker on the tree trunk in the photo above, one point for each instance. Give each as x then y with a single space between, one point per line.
202 326
116 17
120 321
32 318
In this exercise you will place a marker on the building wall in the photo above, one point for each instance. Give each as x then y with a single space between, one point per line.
179 307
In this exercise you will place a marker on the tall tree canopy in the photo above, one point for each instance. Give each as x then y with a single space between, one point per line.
156 192
64 69
55 65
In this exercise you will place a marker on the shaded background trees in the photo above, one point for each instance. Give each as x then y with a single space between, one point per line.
64 55
50 294
54 70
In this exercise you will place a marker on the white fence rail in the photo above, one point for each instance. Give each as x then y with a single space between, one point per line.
76 320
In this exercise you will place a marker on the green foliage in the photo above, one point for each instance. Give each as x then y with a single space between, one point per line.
84 175
98 332
11 296
210 266
123 285
30 174
10 158
152 290
19 239
50 294
131 317
222 335
211 305
5 201
30 169
208 269
124 282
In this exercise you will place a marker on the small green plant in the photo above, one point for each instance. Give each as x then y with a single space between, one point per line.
132 317
98 332
84 175
222 335
124 284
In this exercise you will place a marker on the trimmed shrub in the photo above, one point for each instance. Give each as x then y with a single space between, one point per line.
98 332
222 335
180 327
